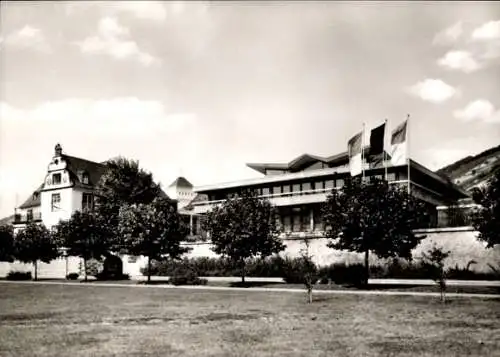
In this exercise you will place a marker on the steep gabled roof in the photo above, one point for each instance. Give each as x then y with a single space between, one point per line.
181 182
7 220
93 169
34 200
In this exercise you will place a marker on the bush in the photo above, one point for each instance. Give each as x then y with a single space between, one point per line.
294 270
104 276
19 275
186 276
341 273
72 276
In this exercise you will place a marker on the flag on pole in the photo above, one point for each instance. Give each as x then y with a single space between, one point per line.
354 151
399 147
375 155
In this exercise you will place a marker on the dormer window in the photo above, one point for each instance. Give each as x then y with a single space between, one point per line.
56 179
35 196
85 178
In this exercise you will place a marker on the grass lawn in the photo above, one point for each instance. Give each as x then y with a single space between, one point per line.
65 320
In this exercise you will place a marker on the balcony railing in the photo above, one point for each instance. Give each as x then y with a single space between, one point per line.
24 218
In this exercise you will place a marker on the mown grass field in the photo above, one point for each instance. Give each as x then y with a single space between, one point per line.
86 320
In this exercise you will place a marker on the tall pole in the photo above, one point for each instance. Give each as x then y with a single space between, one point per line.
384 156
363 153
408 150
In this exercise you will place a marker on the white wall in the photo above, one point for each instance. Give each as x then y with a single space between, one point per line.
51 218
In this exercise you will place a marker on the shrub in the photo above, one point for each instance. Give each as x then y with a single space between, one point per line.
104 276
72 276
294 270
341 273
19 275
186 276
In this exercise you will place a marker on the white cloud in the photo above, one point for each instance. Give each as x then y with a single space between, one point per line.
480 109
459 60
449 35
113 40
433 90
28 37
487 31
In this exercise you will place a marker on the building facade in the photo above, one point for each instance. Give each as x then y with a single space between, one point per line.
69 185
299 188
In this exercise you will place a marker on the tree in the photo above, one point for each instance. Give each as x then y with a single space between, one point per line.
152 229
244 227
310 270
435 258
123 183
35 243
84 236
6 243
486 219
373 217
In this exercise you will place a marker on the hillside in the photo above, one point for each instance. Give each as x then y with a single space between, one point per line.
473 171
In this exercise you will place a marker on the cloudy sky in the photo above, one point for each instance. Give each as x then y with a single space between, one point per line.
199 89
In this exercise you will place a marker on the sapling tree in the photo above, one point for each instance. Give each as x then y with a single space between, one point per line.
310 270
435 258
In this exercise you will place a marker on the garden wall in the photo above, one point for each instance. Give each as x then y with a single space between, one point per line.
461 242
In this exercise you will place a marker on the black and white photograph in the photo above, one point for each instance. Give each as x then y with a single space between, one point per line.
249 178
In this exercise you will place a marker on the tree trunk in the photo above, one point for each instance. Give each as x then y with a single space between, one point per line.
149 270
35 263
367 267
310 295
242 271
85 268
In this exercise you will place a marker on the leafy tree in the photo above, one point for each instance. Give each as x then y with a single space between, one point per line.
6 243
35 243
435 258
373 217
152 229
84 236
244 227
486 220
123 183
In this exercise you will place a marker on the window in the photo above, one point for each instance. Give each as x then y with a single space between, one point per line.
276 190
56 179
319 185
329 184
56 202
29 215
296 187
85 178
286 189
391 177
265 191
87 201
306 186
339 183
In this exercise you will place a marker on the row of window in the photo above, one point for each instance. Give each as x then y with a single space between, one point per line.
298 188
87 201
82 176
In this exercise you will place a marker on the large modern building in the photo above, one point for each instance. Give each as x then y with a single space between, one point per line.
69 186
298 189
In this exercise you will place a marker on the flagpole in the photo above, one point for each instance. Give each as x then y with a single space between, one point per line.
408 150
363 153
384 156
